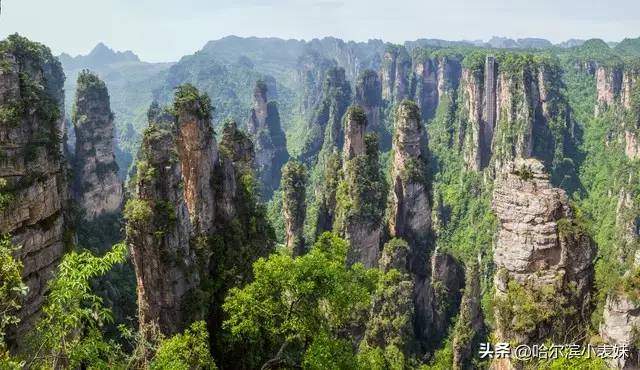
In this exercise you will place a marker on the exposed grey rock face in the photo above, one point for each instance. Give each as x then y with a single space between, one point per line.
410 206
396 74
97 188
33 167
364 189
538 244
165 263
470 324
620 323
294 180
392 312
198 153
355 128
426 87
325 131
238 157
369 97
509 113
608 87
270 141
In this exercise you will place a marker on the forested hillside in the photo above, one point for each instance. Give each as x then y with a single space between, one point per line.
268 203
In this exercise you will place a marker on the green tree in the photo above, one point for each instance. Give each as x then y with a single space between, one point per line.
12 290
69 334
185 351
301 309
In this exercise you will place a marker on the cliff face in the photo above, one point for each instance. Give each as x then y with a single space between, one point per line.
513 109
395 74
540 252
470 325
361 192
198 153
270 141
294 181
32 165
325 127
435 80
410 206
310 77
369 98
392 312
621 320
97 187
194 217
159 232
608 87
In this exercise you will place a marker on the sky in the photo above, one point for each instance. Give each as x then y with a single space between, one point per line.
165 30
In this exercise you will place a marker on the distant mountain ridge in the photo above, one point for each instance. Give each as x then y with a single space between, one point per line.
101 54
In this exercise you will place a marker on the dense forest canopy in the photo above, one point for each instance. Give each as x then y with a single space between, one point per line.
269 204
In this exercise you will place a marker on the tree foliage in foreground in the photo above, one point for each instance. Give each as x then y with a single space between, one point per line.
300 311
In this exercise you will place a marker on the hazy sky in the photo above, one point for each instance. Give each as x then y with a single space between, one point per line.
163 30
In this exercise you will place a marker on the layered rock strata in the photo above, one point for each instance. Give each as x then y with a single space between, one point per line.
32 167
540 248
294 181
270 141
97 187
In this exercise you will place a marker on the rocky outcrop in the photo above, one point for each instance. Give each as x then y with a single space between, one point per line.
325 127
270 141
510 105
396 74
361 192
159 234
470 324
410 206
392 312
541 252
310 77
355 128
237 157
32 169
608 87
294 181
194 217
97 187
426 85
369 98
198 154
621 320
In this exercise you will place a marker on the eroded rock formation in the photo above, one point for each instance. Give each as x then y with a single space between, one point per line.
392 312
621 320
32 169
97 187
369 97
198 154
510 108
270 141
470 325
541 253
410 206
159 234
294 181
396 74
325 131
361 192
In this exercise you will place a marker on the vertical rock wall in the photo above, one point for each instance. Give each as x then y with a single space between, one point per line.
32 168
97 187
